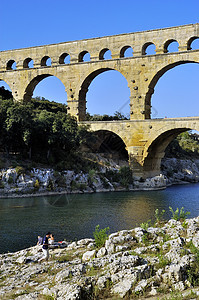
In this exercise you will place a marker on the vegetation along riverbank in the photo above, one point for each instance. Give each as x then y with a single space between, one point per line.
43 150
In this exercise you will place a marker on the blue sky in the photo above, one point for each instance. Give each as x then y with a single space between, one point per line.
30 23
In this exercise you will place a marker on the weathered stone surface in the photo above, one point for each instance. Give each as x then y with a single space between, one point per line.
143 269
141 135
88 255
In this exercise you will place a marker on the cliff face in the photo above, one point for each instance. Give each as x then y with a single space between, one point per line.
37 181
144 261
179 170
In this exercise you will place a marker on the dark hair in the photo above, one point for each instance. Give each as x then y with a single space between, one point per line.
48 233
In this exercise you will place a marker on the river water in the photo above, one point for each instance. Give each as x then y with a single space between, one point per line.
75 216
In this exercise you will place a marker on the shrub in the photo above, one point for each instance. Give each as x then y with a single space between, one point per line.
1 184
159 215
100 236
19 170
145 225
10 180
179 214
126 176
36 184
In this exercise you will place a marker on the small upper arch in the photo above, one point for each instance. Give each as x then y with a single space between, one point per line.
64 59
11 65
105 54
28 63
46 61
126 51
84 56
148 49
193 43
171 46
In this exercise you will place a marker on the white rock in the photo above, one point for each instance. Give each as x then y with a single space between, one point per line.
88 255
102 251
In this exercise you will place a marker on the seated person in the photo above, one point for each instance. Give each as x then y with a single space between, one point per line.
39 240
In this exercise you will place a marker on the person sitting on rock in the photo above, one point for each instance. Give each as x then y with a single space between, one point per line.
45 248
51 240
39 240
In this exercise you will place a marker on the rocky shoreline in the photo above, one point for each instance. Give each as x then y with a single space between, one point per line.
14 182
145 262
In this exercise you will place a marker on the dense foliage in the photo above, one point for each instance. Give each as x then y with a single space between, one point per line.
117 116
185 145
41 131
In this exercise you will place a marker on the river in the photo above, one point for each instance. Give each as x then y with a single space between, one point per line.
75 216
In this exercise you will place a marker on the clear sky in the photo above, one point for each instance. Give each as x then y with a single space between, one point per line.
26 23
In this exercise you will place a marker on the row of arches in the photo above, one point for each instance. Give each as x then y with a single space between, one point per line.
175 92
148 48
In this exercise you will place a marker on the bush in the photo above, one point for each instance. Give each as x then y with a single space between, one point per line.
100 236
126 176
159 215
179 214
19 170
36 184
10 180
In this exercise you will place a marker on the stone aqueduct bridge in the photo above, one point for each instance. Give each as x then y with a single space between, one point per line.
145 139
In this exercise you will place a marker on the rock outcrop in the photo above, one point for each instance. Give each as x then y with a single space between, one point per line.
38 181
132 263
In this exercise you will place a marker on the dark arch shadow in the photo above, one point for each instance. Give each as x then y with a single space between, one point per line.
110 144
156 150
154 81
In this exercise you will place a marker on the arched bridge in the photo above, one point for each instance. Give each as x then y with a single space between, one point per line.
145 139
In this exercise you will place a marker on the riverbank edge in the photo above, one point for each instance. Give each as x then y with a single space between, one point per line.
44 194
56 193
43 182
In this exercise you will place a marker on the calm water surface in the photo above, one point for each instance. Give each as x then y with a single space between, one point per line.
73 217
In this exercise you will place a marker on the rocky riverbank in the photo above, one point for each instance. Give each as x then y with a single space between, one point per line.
146 262
39 181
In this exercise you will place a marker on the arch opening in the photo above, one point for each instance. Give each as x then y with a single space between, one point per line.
28 63
5 91
84 56
171 46
46 87
105 54
106 92
178 143
110 145
46 61
176 93
156 151
148 49
193 43
64 59
11 65
126 51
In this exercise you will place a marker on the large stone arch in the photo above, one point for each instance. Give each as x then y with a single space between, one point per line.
33 83
109 142
156 146
155 79
9 85
84 85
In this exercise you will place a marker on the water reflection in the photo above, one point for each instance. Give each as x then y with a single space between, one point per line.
76 215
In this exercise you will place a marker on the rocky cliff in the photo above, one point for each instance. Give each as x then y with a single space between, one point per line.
16 181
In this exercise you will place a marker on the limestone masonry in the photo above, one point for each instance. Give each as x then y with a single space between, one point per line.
145 139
